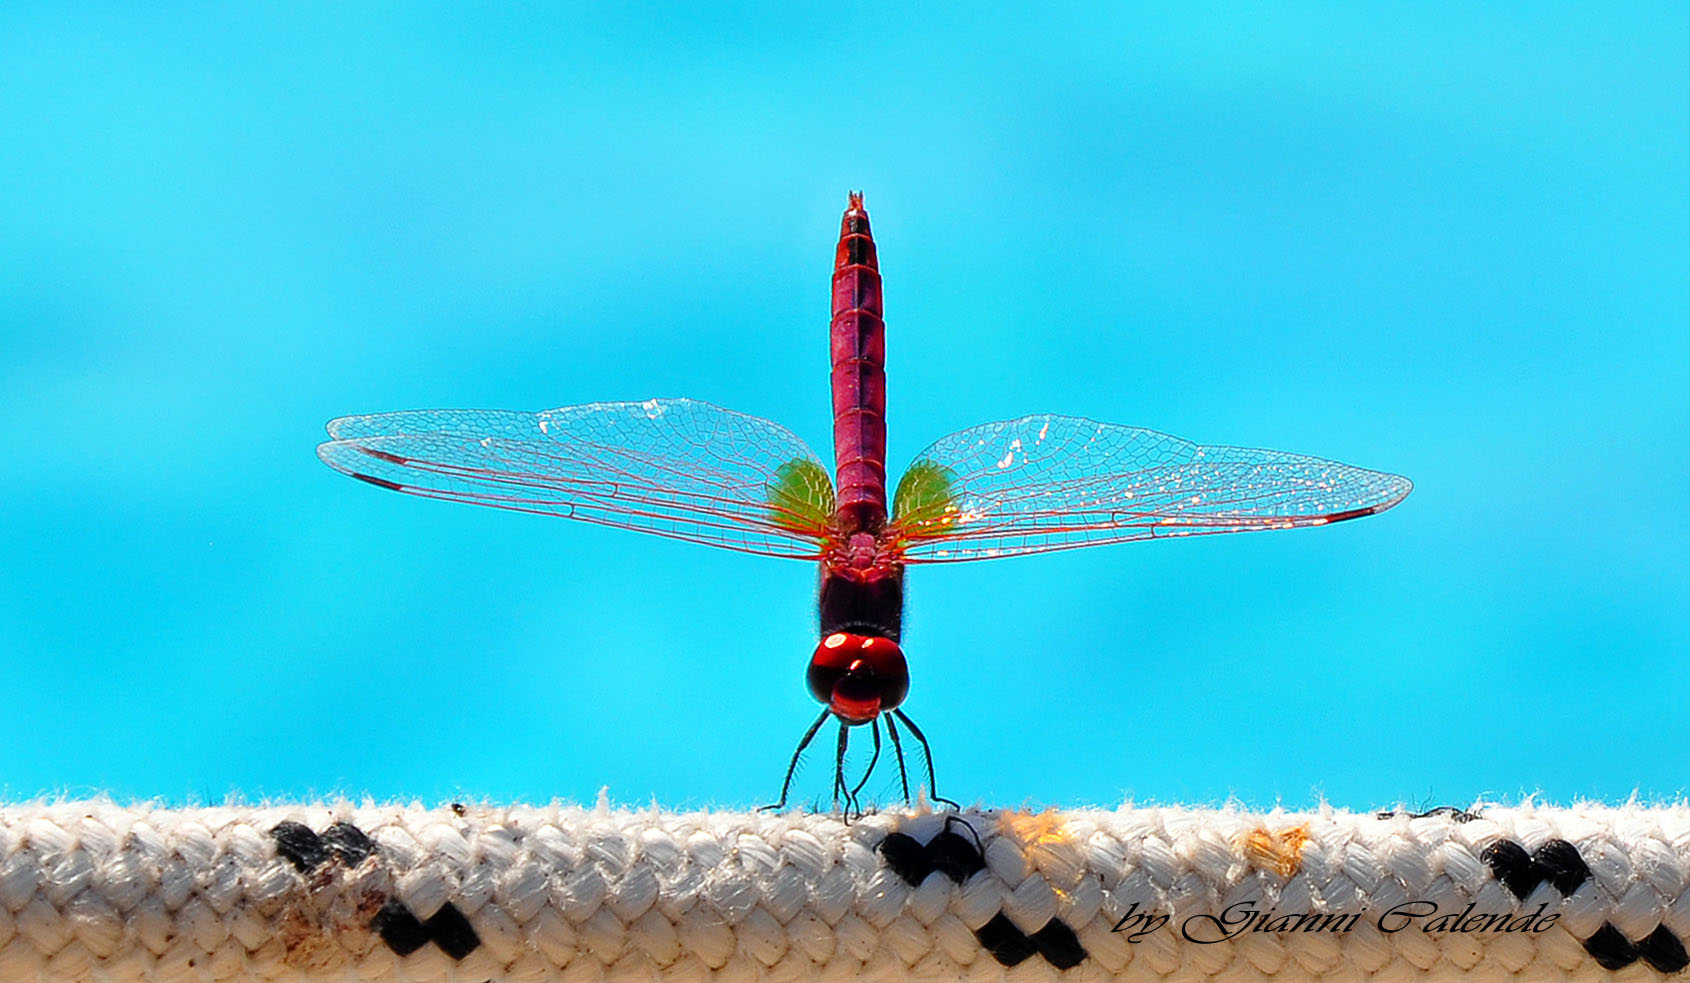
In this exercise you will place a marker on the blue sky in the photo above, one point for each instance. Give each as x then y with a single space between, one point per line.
1450 241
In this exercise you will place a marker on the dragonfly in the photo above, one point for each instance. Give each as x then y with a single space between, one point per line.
688 470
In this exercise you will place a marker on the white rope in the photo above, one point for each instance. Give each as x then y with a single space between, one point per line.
94 891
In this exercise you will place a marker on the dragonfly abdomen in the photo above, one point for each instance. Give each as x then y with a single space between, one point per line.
858 349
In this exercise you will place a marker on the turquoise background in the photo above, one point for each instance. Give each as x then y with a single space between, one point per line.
1446 240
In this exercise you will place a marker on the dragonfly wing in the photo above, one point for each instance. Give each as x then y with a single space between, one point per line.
1045 483
672 467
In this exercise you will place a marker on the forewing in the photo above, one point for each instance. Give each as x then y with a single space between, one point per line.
1045 483
672 467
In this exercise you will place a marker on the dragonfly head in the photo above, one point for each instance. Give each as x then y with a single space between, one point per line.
858 676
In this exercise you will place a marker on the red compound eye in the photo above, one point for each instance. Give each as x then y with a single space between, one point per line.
858 676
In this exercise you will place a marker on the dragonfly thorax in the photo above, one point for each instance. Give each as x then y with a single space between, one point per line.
862 590
862 550
858 676
861 556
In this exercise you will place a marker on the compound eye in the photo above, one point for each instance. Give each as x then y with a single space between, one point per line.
834 654
893 691
821 680
879 661
890 671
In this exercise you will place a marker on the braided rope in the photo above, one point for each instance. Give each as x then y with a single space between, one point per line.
97 891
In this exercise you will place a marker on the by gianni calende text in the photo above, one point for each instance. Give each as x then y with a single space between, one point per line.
1244 918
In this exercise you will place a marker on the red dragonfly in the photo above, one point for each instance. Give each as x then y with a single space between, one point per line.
688 470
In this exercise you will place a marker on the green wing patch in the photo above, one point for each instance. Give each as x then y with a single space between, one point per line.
925 501
801 496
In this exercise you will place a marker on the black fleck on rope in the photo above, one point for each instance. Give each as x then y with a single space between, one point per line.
1007 944
398 927
1558 863
1561 864
451 931
1663 950
907 858
955 856
348 843
958 858
1610 948
302 848
1059 945
1660 949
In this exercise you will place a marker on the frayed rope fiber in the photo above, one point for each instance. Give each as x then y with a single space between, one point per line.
96 891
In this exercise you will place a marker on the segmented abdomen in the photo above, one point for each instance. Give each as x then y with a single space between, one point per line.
858 344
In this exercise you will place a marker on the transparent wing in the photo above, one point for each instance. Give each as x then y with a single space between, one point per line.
673 467
1044 483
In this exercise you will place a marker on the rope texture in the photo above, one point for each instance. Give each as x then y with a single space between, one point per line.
95 891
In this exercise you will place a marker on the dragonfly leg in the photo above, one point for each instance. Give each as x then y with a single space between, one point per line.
839 787
786 785
874 728
981 847
926 752
898 752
